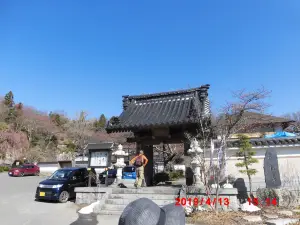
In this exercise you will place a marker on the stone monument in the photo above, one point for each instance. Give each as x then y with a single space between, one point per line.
272 175
283 196
240 185
120 164
196 152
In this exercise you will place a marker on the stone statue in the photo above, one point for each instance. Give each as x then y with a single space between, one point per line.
120 164
197 158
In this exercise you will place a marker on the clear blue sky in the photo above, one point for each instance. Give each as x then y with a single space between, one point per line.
77 55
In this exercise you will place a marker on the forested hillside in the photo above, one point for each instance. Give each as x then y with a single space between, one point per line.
27 132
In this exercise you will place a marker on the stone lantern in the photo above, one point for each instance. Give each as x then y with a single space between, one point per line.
120 164
196 152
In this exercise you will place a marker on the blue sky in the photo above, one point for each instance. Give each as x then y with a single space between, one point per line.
84 55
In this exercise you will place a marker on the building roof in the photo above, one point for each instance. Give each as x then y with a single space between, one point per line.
267 142
104 145
253 117
161 109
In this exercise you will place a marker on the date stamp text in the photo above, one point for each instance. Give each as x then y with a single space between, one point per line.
201 201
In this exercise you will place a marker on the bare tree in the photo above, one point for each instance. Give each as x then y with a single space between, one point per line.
79 130
13 144
168 152
41 132
230 120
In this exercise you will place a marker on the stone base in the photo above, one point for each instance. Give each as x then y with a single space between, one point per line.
88 195
127 182
227 196
284 197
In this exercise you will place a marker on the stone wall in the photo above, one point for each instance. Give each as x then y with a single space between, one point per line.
288 161
225 194
88 195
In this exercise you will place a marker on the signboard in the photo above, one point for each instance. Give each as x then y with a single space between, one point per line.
100 155
99 159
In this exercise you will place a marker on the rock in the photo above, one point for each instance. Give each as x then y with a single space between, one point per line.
86 219
215 186
200 208
252 218
194 189
88 209
271 216
188 210
296 210
283 197
242 195
286 213
281 221
227 186
249 208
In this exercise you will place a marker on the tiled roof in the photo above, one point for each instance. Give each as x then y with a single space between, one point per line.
104 145
168 108
267 142
253 117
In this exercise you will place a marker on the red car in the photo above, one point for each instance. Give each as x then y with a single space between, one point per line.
25 169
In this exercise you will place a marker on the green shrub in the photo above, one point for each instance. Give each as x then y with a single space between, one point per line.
4 168
175 175
161 177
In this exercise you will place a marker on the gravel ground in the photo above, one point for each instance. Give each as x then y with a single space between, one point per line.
18 207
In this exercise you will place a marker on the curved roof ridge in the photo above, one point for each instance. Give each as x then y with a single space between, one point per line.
162 94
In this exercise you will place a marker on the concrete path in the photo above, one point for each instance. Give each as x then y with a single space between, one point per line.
18 207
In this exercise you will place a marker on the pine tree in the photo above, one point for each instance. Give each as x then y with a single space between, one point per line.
9 100
246 154
102 121
10 104
100 124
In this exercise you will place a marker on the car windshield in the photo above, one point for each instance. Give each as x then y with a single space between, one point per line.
60 175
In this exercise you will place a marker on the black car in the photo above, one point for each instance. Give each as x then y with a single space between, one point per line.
61 184
111 175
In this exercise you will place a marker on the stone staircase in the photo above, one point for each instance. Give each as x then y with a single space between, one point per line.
121 197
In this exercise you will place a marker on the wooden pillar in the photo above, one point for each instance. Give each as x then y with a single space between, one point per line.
148 151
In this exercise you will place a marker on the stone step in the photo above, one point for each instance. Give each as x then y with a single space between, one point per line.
149 190
127 201
150 196
111 207
110 212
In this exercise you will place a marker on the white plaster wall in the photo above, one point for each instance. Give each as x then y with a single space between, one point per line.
288 162
48 169
179 167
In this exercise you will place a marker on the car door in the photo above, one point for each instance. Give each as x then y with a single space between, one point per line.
31 169
26 169
76 180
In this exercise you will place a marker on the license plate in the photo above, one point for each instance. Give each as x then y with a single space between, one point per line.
104 175
42 194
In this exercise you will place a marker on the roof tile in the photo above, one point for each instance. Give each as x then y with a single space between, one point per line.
160 109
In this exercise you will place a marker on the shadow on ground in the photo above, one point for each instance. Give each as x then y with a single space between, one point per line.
86 219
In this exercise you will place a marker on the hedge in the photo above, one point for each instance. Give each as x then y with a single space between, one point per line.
4 169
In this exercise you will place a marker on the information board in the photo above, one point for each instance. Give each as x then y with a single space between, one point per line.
99 159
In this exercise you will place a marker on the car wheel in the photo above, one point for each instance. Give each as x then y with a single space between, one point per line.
63 197
37 174
22 174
